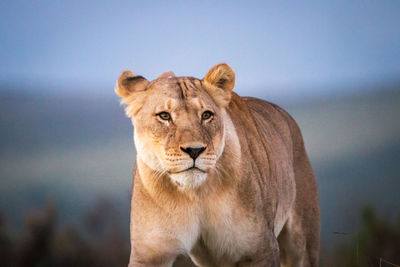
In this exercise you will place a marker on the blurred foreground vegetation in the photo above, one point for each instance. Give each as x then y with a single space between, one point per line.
102 241
376 244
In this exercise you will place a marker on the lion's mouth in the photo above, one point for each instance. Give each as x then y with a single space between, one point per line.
188 178
193 168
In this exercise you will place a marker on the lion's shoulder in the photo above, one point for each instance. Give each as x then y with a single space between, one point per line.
274 123
272 116
268 110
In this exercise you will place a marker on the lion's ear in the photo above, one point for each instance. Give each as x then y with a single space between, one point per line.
128 83
219 82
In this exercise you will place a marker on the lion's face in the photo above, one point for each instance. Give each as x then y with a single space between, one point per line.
178 126
179 130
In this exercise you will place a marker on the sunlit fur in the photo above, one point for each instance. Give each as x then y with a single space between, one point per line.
159 142
251 199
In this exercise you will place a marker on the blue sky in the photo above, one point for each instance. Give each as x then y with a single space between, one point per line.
283 47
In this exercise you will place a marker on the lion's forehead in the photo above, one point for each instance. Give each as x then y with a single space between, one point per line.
175 92
176 87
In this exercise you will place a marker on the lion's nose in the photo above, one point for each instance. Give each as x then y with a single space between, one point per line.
193 152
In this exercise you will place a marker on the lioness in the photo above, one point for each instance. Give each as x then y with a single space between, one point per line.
222 178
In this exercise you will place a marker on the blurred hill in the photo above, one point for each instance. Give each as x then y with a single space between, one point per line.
74 148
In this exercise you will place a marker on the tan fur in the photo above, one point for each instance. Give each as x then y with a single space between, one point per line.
252 198
168 74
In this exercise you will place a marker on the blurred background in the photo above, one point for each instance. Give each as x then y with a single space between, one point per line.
66 149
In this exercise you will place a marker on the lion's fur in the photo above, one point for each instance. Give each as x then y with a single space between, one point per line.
257 204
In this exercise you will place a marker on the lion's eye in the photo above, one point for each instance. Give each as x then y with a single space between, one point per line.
206 115
164 116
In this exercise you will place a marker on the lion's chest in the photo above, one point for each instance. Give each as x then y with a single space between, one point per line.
228 231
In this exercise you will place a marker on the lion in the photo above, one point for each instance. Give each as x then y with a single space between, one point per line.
221 178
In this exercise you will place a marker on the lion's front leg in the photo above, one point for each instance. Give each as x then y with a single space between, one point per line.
266 256
155 235
264 260
151 257
149 263
152 244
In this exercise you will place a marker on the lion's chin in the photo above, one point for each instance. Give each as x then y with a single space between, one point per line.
189 179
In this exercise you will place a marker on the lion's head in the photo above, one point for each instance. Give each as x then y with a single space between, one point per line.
179 122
